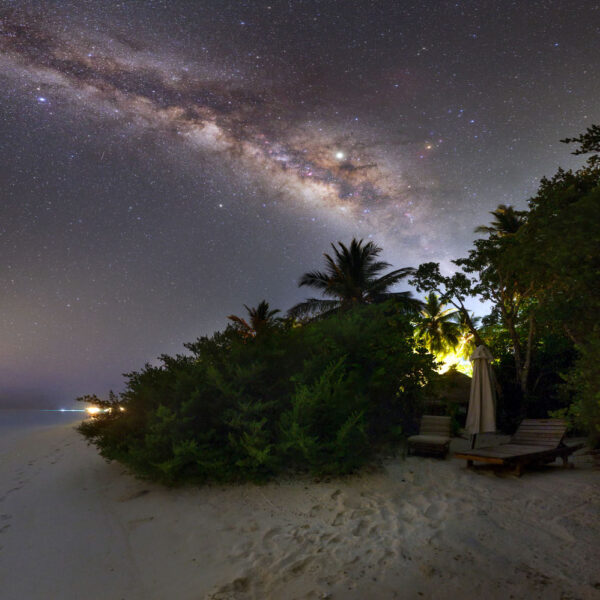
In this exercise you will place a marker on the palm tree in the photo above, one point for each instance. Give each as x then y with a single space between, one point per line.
261 319
507 222
352 276
437 327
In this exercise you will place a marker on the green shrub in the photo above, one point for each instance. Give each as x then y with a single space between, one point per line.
584 380
321 398
325 428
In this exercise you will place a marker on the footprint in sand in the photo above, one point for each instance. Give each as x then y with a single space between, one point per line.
299 566
133 495
271 533
3 522
230 591
409 512
338 520
388 556
362 512
135 522
251 527
357 504
360 528
241 550
432 511
270 538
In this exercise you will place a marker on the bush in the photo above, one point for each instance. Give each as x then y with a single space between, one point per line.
322 398
325 428
584 380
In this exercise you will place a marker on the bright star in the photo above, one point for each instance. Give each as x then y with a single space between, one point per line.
339 155
42 99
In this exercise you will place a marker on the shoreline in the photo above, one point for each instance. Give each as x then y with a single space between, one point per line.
74 526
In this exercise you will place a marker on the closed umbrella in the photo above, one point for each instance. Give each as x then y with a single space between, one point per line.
481 416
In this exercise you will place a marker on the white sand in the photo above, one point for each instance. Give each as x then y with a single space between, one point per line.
74 527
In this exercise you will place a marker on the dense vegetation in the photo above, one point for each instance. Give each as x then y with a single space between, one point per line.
325 393
322 397
540 270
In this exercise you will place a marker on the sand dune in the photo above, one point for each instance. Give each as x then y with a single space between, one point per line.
74 527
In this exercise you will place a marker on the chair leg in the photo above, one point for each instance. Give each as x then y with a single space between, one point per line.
565 463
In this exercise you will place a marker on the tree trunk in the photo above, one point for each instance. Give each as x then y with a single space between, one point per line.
514 336
525 371
465 312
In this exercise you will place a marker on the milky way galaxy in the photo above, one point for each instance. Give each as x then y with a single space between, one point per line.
257 131
163 163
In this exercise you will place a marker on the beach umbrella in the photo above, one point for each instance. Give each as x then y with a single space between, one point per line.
481 416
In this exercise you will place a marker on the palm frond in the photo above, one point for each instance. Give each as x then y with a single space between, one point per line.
352 276
405 299
312 306
389 279
507 221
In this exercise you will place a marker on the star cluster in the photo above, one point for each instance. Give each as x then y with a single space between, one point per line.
165 162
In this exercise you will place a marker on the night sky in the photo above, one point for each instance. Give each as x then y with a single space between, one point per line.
164 162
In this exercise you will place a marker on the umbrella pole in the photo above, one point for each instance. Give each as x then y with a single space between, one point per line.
473 439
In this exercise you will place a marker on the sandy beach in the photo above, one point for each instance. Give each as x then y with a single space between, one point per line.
75 527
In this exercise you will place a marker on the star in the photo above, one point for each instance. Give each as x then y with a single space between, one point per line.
336 129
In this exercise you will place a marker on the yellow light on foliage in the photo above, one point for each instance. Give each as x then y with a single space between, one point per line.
454 361
96 410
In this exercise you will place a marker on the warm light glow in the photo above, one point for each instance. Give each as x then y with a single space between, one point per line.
453 360
93 410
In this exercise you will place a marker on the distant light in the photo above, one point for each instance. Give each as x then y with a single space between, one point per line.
93 410
62 409
339 155
42 99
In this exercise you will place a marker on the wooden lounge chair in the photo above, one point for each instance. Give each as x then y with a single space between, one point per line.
433 438
536 441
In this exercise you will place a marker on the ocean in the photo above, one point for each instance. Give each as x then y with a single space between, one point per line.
17 420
